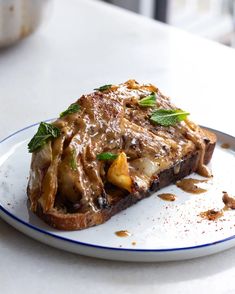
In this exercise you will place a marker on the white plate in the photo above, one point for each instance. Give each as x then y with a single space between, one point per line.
160 230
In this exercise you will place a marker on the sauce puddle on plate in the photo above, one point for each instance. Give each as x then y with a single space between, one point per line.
123 233
167 196
225 146
229 201
191 186
212 214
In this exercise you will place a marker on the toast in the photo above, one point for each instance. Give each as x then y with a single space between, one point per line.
109 150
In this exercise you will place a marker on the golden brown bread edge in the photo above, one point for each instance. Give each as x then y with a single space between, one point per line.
78 221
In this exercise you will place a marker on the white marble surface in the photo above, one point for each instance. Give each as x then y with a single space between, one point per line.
87 44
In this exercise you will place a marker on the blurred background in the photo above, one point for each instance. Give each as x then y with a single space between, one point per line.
213 19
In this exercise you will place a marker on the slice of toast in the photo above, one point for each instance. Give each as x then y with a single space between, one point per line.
110 153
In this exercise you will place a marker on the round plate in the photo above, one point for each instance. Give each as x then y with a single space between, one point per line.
159 230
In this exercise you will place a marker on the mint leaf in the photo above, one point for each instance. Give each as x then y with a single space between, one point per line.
44 133
168 117
148 101
106 156
103 88
73 160
71 109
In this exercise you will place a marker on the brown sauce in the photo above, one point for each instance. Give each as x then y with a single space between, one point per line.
103 123
212 214
225 146
204 171
229 201
123 233
195 137
190 186
167 197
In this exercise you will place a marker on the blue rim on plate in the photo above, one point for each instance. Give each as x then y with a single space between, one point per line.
41 231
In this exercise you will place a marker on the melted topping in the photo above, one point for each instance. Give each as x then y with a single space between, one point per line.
123 233
204 171
167 196
194 133
110 121
191 186
225 146
212 214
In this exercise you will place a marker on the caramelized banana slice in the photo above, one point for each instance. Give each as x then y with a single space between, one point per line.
118 173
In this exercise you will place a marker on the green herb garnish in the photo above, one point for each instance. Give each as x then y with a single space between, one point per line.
44 133
148 101
71 109
73 160
106 156
168 117
103 88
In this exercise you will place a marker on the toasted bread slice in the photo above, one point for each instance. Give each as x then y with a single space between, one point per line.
110 155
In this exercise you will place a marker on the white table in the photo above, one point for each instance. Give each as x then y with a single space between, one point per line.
87 44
